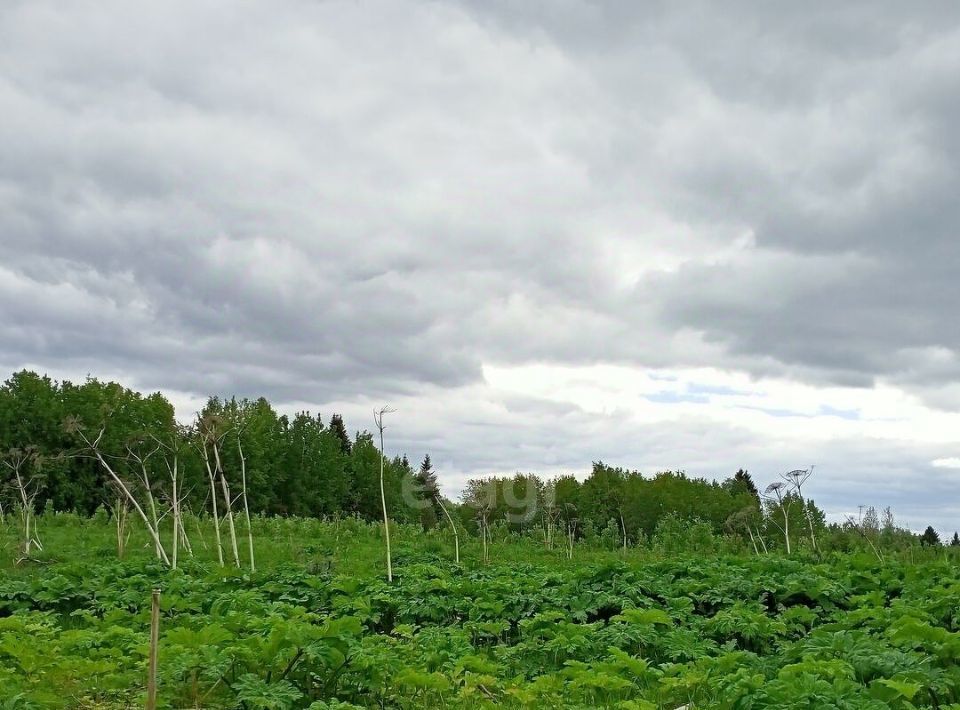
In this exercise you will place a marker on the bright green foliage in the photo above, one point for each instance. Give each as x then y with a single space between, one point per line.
318 628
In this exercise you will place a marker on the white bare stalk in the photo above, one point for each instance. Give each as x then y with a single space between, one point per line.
118 523
213 498
859 528
809 516
745 519
246 504
148 489
230 525
171 458
176 509
762 543
15 462
94 446
183 534
203 540
777 490
378 419
549 512
797 478
571 533
227 500
484 528
120 511
456 537
786 526
26 511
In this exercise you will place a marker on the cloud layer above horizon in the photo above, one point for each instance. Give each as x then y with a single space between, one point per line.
665 235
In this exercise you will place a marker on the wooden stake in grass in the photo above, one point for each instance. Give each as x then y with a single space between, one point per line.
378 420
154 650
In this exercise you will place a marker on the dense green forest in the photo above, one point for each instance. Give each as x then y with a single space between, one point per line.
61 440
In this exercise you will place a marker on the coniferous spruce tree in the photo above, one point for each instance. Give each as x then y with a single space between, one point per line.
340 431
930 538
428 493
743 483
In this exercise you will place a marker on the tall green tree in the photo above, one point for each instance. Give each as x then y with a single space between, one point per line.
340 431
742 482
930 538
428 493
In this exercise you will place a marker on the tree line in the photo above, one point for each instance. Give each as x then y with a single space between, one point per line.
77 447
296 465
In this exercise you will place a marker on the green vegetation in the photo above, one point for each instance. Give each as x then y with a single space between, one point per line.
318 626
240 455
283 587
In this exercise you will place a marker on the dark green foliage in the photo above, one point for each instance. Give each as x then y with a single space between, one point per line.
742 482
427 493
32 414
340 431
293 467
930 537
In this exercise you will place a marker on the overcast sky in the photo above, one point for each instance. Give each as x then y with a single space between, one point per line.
677 235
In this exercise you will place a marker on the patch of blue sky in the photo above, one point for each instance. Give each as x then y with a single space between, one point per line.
660 377
828 411
776 412
677 397
718 390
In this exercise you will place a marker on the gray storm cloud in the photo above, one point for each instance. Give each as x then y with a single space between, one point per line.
336 203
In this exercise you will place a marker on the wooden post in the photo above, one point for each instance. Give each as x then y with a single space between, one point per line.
154 648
